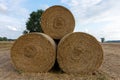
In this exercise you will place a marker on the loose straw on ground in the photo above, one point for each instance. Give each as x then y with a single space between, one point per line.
79 53
57 21
34 52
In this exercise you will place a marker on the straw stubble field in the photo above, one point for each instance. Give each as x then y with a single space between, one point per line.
110 69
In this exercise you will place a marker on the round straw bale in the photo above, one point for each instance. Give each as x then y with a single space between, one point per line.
79 53
34 52
57 21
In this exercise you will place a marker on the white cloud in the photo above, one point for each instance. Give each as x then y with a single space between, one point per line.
3 8
14 8
12 22
104 14
12 28
74 3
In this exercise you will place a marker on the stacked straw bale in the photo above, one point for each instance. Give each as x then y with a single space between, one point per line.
79 53
34 52
57 21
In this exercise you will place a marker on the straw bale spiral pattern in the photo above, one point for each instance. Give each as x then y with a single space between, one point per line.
79 53
57 21
34 52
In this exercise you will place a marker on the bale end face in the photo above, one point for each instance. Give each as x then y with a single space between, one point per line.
79 53
34 52
57 21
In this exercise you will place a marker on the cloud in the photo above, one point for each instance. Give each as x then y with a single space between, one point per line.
3 8
7 21
86 9
99 17
12 21
12 28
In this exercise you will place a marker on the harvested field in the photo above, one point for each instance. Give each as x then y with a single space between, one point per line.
110 69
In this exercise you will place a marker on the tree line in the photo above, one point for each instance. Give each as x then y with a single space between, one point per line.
3 39
6 39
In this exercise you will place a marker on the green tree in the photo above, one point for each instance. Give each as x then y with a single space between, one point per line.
33 23
25 32
5 39
1 39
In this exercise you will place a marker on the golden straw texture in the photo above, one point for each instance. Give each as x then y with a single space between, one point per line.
34 52
79 53
57 21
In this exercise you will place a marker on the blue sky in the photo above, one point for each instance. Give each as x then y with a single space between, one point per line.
100 18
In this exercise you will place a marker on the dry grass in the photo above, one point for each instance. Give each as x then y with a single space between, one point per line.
6 45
